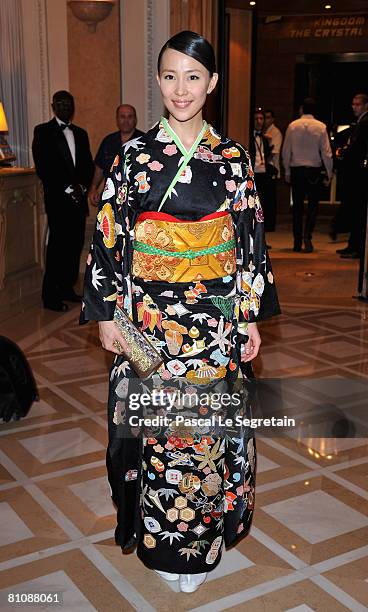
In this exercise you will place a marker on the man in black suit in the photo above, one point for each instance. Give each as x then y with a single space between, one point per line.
64 164
354 162
260 154
341 222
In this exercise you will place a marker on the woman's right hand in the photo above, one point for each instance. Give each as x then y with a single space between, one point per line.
109 333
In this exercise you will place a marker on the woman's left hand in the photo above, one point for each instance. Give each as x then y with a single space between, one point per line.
250 350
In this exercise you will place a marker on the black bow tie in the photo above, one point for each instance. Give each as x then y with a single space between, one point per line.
65 125
257 133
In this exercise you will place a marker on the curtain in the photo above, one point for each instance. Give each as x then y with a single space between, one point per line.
13 78
195 15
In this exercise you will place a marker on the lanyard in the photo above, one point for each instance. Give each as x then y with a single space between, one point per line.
260 149
187 155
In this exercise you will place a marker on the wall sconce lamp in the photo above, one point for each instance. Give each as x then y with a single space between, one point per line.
91 11
6 154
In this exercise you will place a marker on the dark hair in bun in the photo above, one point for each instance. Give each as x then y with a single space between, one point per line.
191 44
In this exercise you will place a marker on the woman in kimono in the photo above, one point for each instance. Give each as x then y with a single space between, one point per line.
179 245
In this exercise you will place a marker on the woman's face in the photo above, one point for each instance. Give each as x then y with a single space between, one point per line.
184 84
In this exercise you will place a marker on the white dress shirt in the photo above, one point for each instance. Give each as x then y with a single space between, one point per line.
306 144
276 141
259 162
69 135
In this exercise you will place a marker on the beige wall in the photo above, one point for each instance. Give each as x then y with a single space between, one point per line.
134 56
94 74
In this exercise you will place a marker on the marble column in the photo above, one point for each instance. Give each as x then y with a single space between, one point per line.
145 27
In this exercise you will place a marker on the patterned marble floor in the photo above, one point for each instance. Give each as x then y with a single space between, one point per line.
308 548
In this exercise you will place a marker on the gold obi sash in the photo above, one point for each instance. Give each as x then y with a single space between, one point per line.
168 249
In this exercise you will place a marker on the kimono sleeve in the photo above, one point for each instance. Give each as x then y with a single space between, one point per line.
104 269
255 281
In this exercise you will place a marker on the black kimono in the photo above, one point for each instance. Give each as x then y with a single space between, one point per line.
180 491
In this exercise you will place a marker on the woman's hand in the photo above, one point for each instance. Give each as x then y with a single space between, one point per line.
250 350
93 196
111 338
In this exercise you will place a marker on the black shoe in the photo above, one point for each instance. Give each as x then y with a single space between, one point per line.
308 246
297 247
350 255
72 297
343 251
56 306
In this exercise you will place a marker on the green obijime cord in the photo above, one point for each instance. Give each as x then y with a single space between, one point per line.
142 247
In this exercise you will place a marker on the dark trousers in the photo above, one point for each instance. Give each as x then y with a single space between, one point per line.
266 191
341 222
305 182
272 205
67 222
358 232
357 200
363 264
359 210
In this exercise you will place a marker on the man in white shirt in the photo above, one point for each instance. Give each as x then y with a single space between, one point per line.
306 148
274 137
